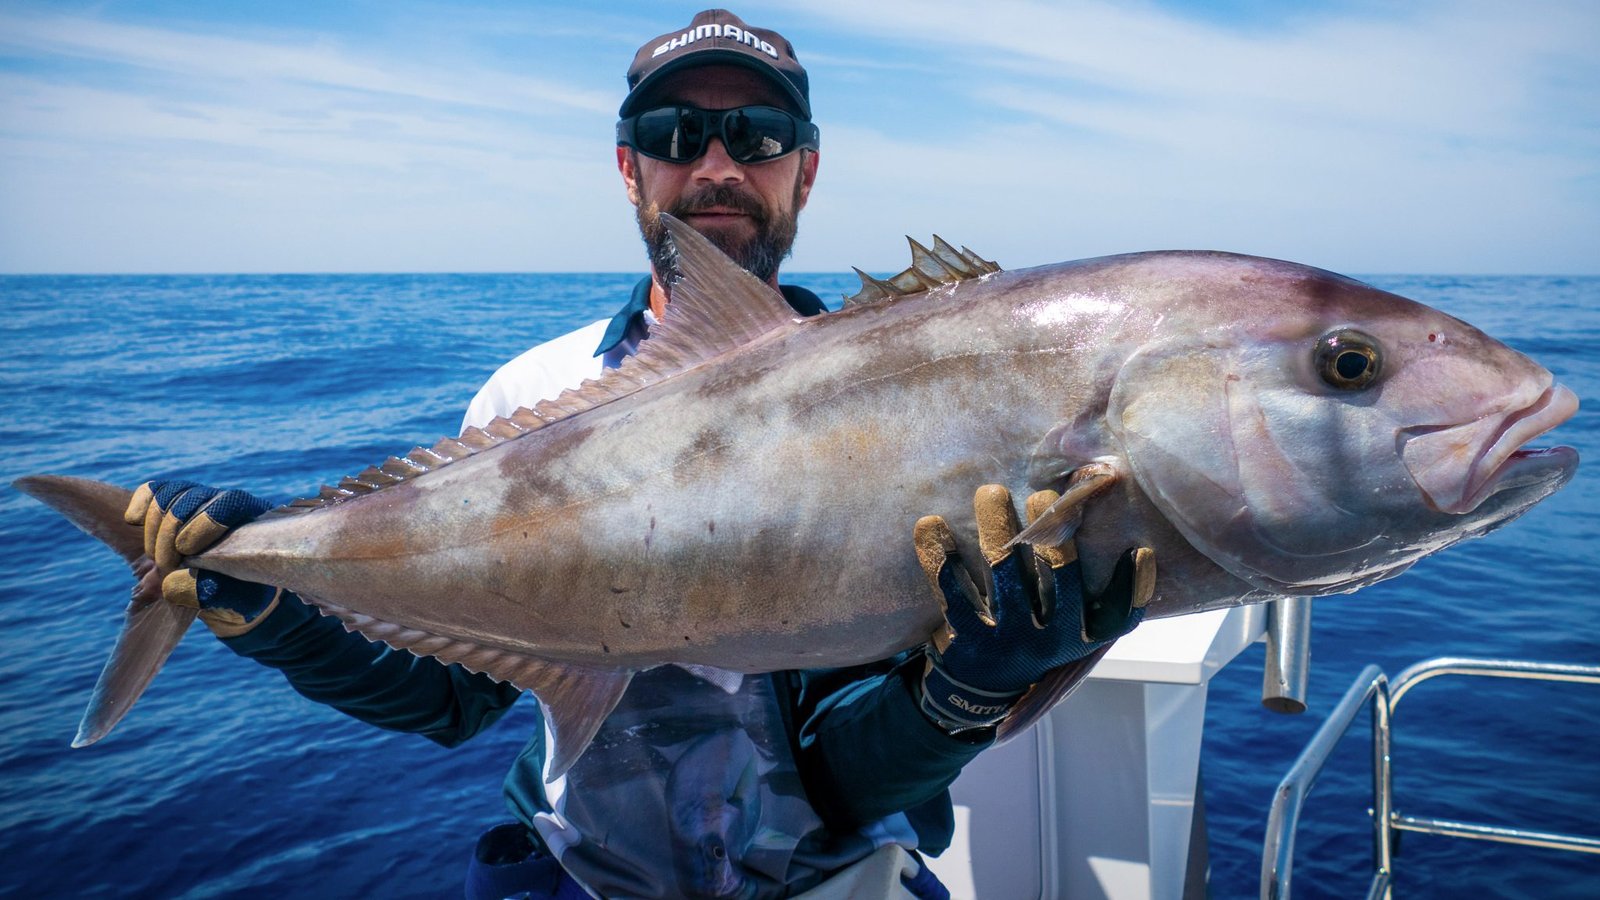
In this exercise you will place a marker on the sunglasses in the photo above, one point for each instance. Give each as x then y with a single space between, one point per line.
752 134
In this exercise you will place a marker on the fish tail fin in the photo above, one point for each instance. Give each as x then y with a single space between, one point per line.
150 628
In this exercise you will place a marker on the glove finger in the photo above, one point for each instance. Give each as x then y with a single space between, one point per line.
935 543
1119 606
179 588
178 509
940 558
220 514
997 521
1047 559
1016 601
139 503
161 496
168 491
1053 556
965 607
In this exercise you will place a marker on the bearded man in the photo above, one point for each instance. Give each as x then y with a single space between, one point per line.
702 782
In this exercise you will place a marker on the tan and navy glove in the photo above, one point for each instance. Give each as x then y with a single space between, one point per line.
1039 615
181 519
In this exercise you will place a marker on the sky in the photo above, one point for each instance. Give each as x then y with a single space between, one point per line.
1438 136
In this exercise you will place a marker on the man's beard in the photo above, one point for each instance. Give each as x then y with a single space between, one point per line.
758 253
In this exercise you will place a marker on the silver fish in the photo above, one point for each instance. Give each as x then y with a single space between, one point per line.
741 493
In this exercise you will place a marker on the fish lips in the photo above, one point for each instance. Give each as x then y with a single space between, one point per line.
1501 464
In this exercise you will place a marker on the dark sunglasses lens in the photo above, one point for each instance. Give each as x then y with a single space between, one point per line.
756 133
673 133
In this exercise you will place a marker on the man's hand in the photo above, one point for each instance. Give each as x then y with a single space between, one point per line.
182 519
1039 616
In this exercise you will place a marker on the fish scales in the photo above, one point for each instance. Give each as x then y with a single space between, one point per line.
752 509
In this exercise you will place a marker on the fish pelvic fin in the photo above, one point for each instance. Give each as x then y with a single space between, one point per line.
575 698
150 628
942 264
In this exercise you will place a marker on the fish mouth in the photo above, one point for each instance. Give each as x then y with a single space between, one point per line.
1505 462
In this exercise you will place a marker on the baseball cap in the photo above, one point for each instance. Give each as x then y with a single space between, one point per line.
717 36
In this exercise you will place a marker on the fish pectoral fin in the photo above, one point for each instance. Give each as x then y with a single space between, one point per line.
1060 520
1043 696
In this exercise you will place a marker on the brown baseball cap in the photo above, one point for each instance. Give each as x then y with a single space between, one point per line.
717 36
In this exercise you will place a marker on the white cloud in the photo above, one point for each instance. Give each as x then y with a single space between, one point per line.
1428 137
1425 137
289 60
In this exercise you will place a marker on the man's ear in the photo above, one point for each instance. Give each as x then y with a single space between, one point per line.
628 165
808 175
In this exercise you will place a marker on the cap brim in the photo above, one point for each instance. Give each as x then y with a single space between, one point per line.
708 57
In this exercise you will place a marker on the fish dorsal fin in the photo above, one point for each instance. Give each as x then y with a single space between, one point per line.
576 698
716 307
943 264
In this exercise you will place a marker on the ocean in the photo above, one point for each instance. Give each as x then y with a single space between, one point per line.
225 783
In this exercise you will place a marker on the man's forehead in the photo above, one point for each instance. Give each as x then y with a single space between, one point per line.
719 87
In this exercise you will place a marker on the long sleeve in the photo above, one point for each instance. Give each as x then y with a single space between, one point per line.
866 751
389 688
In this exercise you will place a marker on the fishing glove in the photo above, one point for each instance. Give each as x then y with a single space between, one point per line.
181 519
1038 616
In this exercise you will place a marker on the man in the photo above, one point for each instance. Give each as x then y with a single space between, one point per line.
703 782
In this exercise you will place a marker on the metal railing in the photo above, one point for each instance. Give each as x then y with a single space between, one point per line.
1277 857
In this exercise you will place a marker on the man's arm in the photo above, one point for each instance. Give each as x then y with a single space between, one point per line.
866 751
381 686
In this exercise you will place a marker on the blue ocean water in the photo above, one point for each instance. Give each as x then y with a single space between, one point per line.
224 783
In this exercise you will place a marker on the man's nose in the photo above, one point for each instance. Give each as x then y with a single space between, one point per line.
715 165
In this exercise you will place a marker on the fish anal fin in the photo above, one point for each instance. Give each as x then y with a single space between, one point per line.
576 698
1059 522
1043 697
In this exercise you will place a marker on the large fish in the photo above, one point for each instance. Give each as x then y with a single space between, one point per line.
741 493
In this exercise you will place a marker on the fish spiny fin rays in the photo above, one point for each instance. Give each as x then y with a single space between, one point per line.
576 698
943 264
716 307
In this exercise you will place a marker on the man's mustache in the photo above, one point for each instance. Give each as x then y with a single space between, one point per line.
721 196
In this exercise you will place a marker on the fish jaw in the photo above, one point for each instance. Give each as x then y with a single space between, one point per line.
1459 467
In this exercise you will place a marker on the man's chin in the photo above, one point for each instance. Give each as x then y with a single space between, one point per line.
719 228
733 238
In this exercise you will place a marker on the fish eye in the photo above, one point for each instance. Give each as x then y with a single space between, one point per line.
1347 359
